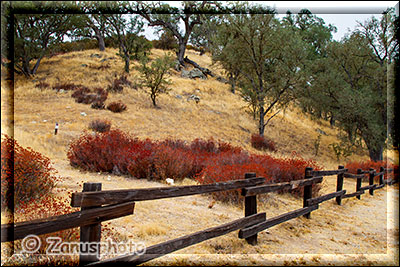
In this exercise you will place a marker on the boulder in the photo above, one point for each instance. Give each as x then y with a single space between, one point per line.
196 73
193 74
222 79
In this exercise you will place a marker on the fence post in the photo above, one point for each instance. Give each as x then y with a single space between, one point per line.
250 208
371 180
358 184
339 185
307 191
381 169
90 233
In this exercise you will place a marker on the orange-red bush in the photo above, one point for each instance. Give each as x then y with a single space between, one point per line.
366 165
262 143
30 172
207 161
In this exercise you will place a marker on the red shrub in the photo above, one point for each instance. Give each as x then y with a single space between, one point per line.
224 173
173 163
116 107
262 143
366 165
199 145
30 171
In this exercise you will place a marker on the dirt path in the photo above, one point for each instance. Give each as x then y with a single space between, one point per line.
359 232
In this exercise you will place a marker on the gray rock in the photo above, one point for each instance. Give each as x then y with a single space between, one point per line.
185 73
193 74
222 79
178 96
177 66
83 114
196 73
95 55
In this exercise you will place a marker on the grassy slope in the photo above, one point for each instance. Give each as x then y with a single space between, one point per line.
219 115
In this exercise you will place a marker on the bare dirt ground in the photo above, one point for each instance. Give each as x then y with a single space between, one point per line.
359 232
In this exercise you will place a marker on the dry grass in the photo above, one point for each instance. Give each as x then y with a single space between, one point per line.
332 230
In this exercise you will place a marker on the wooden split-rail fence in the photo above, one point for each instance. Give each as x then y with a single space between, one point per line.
98 206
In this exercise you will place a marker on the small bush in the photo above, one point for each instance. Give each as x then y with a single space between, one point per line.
86 96
116 107
100 126
117 84
31 172
66 86
98 105
262 143
42 85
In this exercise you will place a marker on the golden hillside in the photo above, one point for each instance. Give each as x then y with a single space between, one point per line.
220 114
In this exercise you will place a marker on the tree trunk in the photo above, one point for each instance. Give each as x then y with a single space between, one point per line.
100 39
181 53
232 81
332 120
376 154
153 99
36 65
127 61
261 125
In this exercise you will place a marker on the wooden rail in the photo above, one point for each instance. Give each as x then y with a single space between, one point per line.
251 230
88 199
66 221
161 249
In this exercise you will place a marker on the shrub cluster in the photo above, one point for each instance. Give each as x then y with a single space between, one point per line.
96 97
29 171
117 84
66 86
262 143
207 161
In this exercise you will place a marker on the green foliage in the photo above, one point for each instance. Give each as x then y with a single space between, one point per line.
33 36
154 76
131 45
266 59
167 41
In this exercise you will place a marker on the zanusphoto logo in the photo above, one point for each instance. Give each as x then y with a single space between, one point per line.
55 246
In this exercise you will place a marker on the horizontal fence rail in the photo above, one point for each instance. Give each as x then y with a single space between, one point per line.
251 191
317 200
87 199
65 221
251 230
161 249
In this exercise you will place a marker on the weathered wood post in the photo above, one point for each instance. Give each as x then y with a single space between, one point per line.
307 191
90 233
339 185
250 208
381 170
358 183
371 180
